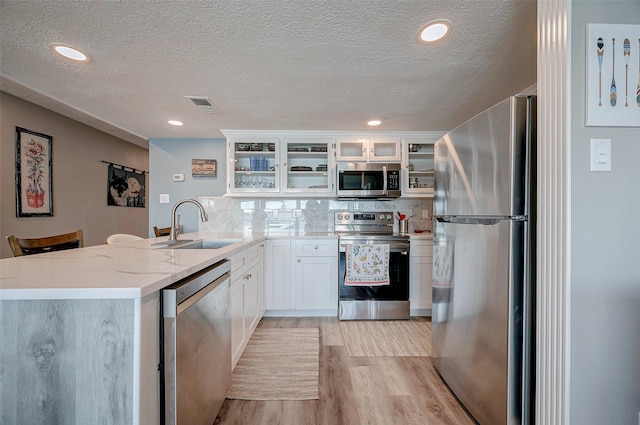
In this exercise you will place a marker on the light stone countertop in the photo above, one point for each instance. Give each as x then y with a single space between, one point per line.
132 269
126 270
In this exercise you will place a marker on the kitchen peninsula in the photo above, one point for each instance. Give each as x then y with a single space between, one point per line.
80 329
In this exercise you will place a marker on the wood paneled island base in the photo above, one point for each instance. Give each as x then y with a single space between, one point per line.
67 362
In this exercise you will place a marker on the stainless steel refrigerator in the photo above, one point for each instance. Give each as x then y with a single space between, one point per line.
484 262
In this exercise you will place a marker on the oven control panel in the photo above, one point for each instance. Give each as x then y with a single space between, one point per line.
364 218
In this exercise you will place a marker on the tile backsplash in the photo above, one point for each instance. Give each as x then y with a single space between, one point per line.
281 215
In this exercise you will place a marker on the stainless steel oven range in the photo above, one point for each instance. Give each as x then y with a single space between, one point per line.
373 302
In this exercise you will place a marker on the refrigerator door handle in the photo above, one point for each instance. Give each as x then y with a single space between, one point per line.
487 221
478 219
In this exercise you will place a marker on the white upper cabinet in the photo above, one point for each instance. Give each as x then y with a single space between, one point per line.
418 167
307 166
368 149
253 165
287 163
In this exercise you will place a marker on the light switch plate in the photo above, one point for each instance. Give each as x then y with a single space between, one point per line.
600 155
164 198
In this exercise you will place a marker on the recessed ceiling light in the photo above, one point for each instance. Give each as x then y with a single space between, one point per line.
374 122
175 122
434 31
69 52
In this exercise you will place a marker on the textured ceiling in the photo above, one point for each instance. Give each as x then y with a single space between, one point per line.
266 64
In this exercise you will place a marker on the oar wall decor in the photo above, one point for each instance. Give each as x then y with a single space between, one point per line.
612 61
638 90
600 49
613 96
627 55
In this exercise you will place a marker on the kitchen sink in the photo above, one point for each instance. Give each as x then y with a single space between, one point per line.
198 244
210 243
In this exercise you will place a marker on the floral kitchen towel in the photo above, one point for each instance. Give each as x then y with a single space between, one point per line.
367 264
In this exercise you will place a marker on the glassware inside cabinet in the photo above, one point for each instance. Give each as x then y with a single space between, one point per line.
255 165
307 164
420 166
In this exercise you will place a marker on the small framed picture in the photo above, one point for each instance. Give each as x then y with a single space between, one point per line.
613 75
203 168
34 197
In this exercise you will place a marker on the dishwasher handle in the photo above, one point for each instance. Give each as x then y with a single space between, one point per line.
202 293
180 292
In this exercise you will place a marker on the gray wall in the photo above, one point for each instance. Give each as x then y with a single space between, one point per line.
605 246
173 156
79 178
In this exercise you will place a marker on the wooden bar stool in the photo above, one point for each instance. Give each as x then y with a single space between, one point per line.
161 231
30 246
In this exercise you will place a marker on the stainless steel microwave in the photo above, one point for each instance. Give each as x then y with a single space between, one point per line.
368 180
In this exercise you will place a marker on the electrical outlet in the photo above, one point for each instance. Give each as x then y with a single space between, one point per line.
425 214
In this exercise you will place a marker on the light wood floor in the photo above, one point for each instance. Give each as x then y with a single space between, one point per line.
355 390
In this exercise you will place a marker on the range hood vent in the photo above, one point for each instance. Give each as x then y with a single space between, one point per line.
203 102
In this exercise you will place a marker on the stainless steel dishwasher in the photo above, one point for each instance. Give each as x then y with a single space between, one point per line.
196 346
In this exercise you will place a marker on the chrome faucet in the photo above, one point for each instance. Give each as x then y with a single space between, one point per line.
175 229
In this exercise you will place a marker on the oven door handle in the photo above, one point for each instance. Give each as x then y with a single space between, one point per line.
402 250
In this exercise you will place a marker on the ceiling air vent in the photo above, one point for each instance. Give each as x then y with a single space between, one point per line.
205 104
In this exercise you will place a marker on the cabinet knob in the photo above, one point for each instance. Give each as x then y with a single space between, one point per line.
315 247
299 260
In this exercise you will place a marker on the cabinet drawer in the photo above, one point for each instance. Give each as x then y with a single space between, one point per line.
238 264
316 247
422 249
253 254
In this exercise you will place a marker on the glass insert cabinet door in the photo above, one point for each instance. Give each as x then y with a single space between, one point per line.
307 165
255 166
419 169
368 149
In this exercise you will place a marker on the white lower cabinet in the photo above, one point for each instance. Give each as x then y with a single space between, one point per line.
277 265
421 270
301 277
247 297
316 274
252 311
237 321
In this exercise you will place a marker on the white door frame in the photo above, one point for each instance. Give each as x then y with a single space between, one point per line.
553 213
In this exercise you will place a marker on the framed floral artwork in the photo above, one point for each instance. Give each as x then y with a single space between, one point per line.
34 197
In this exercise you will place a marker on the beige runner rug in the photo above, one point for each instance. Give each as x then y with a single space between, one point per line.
371 338
278 364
